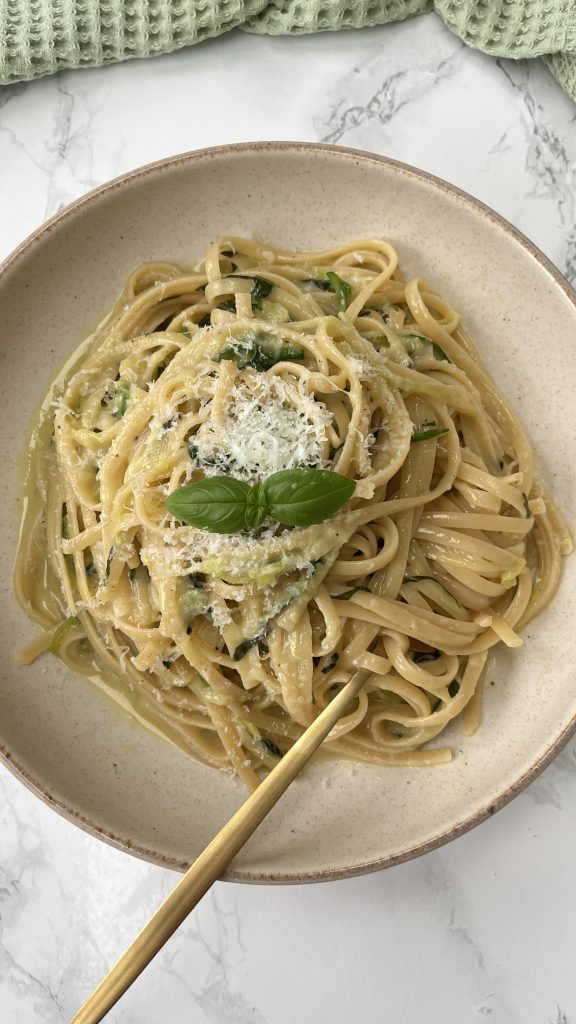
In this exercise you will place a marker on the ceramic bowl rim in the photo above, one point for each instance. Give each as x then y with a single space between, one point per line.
478 207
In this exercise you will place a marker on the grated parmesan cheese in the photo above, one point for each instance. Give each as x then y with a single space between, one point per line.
270 425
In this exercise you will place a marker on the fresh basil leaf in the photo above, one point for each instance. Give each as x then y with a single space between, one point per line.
293 497
256 507
425 435
217 504
302 497
347 594
341 289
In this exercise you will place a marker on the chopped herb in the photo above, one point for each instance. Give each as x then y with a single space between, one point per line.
436 349
260 290
242 649
341 289
185 331
205 321
192 450
526 506
418 657
271 747
453 689
347 594
90 569
109 561
288 596
229 305
166 662
65 526
132 575
425 435
332 661
259 351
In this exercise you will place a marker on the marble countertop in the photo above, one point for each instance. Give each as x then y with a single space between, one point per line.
482 928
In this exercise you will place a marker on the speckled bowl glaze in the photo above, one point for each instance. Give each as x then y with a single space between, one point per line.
65 739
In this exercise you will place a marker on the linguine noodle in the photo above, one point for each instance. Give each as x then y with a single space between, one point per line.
256 361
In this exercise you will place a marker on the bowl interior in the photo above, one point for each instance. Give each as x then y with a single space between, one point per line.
67 739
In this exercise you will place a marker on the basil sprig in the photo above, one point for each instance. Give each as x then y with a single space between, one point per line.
425 435
293 497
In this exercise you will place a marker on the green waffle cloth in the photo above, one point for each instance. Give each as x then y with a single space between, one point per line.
38 37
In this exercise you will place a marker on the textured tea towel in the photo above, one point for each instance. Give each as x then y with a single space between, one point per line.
38 37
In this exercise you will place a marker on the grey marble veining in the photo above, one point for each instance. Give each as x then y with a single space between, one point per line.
480 930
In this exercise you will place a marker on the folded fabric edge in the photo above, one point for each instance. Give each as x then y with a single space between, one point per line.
563 68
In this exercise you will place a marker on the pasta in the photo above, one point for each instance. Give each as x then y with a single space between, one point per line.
255 364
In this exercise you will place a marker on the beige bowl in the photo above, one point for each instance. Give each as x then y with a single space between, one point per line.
63 737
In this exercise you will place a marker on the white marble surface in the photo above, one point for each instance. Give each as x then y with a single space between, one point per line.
480 929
